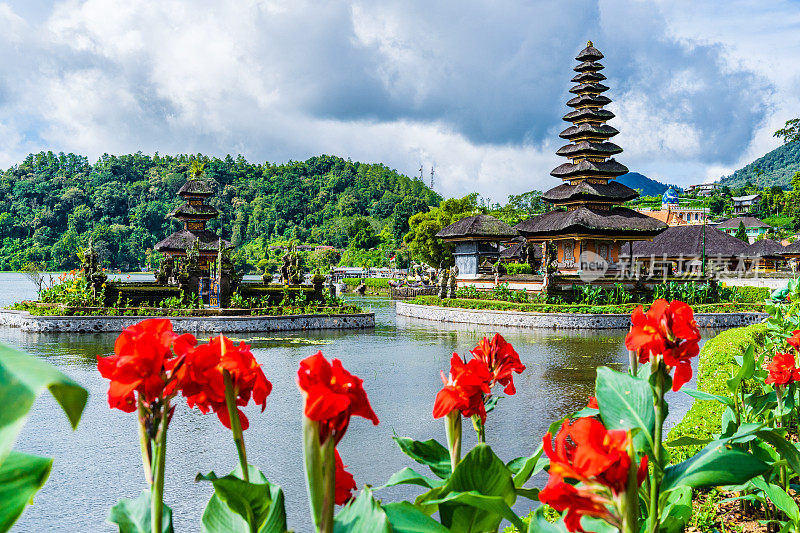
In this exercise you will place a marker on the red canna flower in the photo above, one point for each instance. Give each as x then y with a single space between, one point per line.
202 380
782 370
592 403
501 360
142 363
668 330
345 483
332 396
794 340
587 453
463 389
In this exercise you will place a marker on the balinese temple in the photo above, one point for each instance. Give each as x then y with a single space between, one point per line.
478 242
195 214
589 215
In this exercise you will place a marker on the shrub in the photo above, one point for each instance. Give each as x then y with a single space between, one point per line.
518 268
751 294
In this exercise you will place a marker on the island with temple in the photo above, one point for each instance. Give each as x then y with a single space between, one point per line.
196 285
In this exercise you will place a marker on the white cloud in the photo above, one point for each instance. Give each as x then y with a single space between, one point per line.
477 90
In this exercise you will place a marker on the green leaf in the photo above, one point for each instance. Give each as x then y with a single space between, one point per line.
746 370
714 465
362 514
408 476
539 524
480 473
626 402
785 449
405 518
133 516
240 506
22 379
524 467
688 441
700 395
531 494
429 453
469 522
778 496
21 476
676 510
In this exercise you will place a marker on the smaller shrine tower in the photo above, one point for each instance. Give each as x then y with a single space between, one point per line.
588 214
195 214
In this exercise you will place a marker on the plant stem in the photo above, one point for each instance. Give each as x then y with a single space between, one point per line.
480 428
329 484
659 369
160 456
144 442
236 425
630 511
633 363
453 430
312 455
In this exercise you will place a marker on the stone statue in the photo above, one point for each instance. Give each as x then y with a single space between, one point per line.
90 269
443 275
451 286
166 271
331 287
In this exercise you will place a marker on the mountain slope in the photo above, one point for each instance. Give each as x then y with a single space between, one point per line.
775 168
646 186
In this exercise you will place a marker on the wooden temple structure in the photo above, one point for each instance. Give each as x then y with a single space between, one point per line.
588 214
477 241
194 213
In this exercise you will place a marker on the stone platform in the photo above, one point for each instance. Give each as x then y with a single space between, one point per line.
185 324
559 320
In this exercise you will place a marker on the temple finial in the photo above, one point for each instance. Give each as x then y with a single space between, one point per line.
589 43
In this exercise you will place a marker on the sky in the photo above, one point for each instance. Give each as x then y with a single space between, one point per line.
475 90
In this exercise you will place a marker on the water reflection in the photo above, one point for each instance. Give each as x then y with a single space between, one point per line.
399 361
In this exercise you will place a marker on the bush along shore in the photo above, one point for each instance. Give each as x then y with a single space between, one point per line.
73 295
375 286
606 467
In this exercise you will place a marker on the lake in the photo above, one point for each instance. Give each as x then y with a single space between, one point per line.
399 362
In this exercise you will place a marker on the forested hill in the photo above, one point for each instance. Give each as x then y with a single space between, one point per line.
51 203
775 168
645 185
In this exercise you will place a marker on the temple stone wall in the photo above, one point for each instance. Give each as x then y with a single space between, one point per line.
559 320
216 324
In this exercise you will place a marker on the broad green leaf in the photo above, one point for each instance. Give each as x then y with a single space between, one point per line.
688 441
22 379
785 449
676 510
700 395
626 402
524 467
362 514
240 506
133 516
480 472
473 522
429 453
714 465
21 476
405 518
539 524
780 499
408 476
531 494
746 370
596 525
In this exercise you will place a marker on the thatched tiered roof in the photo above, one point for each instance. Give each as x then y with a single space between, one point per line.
592 196
478 227
687 241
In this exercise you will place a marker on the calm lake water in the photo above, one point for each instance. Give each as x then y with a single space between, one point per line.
399 361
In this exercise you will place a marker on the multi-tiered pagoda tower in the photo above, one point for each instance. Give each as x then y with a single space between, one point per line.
195 214
589 215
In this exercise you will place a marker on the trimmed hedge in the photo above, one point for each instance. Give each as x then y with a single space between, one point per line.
499 305
377 283
716 361
752 294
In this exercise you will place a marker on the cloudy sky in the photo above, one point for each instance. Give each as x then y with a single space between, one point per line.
476 89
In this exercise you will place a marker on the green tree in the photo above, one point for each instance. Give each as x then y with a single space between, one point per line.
421 238
790 132
741 232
